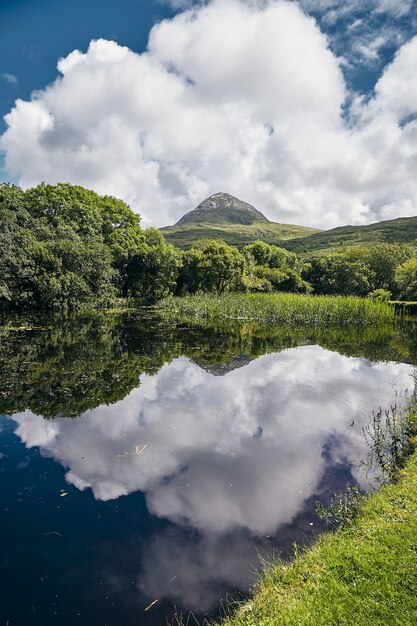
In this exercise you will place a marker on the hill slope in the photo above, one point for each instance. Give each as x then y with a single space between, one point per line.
402 230
225 217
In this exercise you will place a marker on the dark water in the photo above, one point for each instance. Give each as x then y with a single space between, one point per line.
142 460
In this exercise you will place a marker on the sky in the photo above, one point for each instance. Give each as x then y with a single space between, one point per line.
307 108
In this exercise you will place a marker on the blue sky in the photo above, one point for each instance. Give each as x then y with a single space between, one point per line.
34 34
357 56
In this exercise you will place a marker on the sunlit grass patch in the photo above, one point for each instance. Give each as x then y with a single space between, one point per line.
279 308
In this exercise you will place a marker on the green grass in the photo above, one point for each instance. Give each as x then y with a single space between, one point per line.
304 241
362 575
279 308
404 307
403 229
185 235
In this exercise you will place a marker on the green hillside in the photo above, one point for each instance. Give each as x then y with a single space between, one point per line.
223 216
402 229
235 234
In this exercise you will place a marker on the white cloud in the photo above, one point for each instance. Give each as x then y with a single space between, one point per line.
341 8
193 115
10 78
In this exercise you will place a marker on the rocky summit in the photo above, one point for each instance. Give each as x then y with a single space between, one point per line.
223 208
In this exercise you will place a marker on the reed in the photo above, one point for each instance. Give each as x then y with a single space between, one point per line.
279 308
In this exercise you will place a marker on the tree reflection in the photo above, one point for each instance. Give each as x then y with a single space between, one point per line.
65 366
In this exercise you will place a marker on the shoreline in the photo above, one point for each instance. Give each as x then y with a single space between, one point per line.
364 574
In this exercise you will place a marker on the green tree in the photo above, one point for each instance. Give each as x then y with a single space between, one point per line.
152 271
342 274
406 279
383 261
285 279
264 254
211 265
61 245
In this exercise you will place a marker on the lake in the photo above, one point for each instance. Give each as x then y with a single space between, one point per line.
148 467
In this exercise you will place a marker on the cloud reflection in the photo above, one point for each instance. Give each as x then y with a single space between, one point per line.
240 451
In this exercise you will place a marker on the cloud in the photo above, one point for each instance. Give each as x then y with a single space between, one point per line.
10 78
242 97
363 33
341 8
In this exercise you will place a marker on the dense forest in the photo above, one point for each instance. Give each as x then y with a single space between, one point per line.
65 246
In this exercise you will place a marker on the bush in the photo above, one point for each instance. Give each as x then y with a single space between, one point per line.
382 295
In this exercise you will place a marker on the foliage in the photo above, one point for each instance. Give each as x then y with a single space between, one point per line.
263 254
406 279
211 266
61 245
388 436
285 279
383 295
343 507
276 268
253 283
88 215
151 273
357 271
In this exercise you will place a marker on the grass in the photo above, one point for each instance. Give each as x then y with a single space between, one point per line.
403 229
404 307
279 308
185 235
364 574
303 240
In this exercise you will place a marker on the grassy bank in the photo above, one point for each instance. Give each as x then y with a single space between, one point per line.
403 307
279 308
362 575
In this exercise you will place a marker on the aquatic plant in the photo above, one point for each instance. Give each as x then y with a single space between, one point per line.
279 308
343 507
389 437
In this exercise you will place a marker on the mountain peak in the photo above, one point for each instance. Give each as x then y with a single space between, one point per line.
223 208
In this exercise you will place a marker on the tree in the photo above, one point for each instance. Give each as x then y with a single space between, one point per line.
406 279
88 215
152 271
383 261
61 245
285 279
211 265
264 254
341 273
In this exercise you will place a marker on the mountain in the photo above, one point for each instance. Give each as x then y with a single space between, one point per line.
222 216
222 208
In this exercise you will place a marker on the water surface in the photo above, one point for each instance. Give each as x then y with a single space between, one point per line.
142 460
